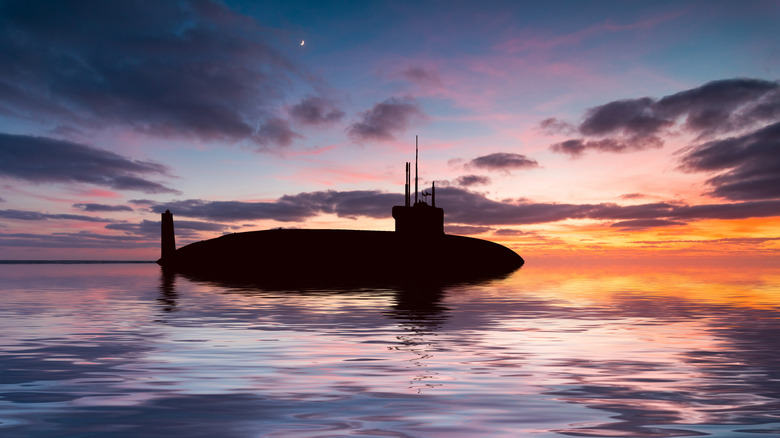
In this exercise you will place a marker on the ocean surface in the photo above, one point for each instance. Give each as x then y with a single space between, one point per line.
122 350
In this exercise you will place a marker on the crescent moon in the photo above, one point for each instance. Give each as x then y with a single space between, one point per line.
302 42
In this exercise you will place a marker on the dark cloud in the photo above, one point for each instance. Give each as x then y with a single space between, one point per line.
43 160
632 117
472 180
465 207
316 111
182 68
751 163
576 147
462 207
465 229
351 204
386 120
725 106
421 76
554 125
641 224
102 207
503 161
738 240
143 202
510 232
289 208
151 229
632 196
276 132
82 239
26 215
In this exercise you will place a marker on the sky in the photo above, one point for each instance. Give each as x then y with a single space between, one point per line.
622 129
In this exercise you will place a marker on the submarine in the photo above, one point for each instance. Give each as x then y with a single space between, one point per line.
418 249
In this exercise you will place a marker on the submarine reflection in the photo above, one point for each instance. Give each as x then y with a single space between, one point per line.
414 308
413 300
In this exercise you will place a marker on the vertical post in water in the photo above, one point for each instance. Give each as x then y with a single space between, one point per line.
415 169
167 238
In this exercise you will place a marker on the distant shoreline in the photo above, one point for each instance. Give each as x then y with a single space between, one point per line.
70 262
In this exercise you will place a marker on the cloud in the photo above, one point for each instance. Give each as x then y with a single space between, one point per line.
738 240
26 215
554 125
184 68
386 119
465 229
724 106
289 208
421 76
465 207
276 132
576 147
143 202
461 206
633 117
151 229
102 207
503 161
751 163
46 160
83 239
315 111
510 232
472 180
641 224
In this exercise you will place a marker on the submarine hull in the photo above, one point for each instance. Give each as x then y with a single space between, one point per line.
295 255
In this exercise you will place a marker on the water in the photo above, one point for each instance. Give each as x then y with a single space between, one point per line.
120 350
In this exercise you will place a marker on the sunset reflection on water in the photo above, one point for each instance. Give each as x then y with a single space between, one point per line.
552 350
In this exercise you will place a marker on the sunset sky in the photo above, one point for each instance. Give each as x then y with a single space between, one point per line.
558 128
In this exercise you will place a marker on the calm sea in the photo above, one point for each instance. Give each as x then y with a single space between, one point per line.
120 350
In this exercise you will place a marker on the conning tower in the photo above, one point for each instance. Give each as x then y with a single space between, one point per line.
419 219
167 238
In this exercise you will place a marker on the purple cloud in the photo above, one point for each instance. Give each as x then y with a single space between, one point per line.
462 207
510 232
641 224
751 163
472 180
315 111
81 239
554 125
183 68
466 229
102 207
25 215
724 106
289 208
151 229
503 161
46 160
276 132
386 119
576 147
421 76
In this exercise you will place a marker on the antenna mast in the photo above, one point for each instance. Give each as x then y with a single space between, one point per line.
416 153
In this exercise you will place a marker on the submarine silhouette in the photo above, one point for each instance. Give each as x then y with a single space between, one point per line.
417 249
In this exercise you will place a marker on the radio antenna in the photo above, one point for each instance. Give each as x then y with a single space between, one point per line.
416 154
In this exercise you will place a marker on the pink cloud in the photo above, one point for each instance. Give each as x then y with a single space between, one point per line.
533 41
